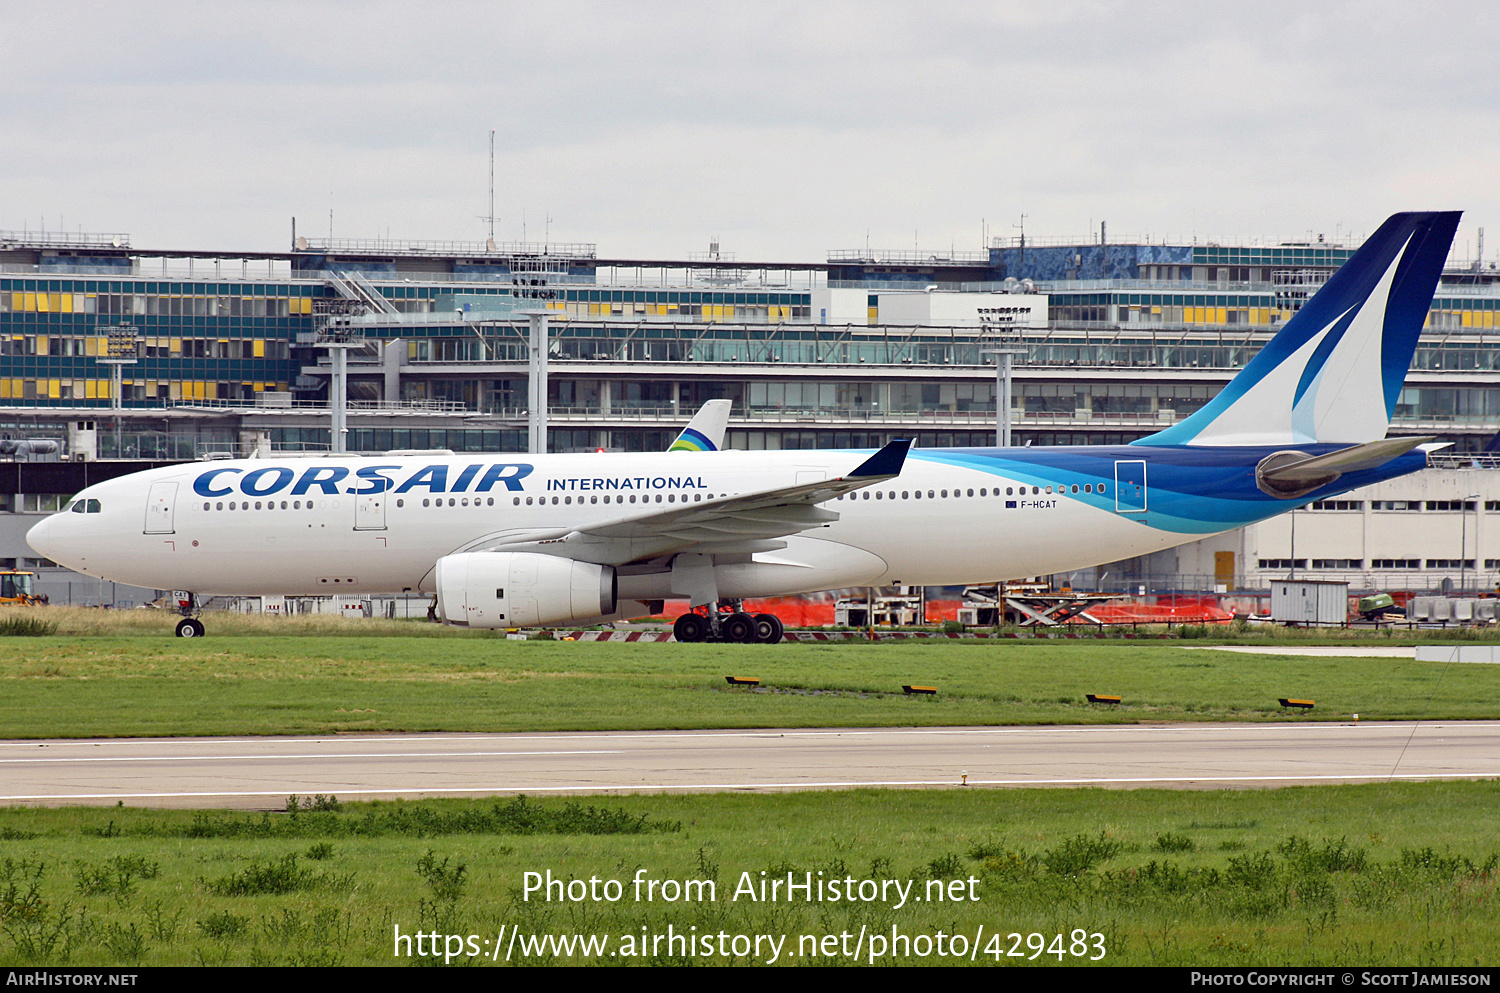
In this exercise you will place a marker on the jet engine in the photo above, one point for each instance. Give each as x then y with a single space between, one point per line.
521 589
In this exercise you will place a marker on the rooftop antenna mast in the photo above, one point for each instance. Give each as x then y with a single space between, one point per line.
490 217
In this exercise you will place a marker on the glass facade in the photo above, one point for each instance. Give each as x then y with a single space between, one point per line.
1120 357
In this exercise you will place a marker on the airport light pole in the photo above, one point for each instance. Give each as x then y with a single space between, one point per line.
1003 357
121 348
338 344
536 398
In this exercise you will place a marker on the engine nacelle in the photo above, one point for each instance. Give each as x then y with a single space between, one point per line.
521 589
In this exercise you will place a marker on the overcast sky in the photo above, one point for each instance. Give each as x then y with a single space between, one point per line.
783 129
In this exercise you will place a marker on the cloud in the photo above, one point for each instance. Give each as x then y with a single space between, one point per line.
784 128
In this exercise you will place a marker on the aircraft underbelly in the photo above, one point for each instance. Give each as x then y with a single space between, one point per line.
1008 543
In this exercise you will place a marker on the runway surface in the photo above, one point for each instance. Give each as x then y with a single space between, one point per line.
263 772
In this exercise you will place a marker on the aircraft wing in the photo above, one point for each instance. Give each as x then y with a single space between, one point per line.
746 522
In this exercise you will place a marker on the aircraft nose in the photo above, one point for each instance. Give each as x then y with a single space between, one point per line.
43 538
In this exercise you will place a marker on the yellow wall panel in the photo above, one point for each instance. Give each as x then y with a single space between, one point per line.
5 389
54 388
176 345
1466 319
258 348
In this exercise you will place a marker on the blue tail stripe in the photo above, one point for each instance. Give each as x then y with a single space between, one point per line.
1190 490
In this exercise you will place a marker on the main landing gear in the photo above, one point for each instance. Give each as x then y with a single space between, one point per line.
725 621
189 626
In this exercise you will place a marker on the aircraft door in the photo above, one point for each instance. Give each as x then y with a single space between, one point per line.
369 512
1130 487
159 508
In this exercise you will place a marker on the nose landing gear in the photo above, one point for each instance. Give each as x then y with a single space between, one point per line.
189 626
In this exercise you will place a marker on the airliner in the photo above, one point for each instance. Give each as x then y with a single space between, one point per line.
510 540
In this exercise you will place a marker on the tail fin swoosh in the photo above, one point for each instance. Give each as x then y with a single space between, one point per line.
1335 370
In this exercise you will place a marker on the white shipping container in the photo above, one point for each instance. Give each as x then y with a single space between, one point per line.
1309 601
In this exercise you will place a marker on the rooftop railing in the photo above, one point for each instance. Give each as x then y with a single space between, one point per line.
62 239
540 250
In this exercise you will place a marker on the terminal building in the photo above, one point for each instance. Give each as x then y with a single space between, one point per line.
128 357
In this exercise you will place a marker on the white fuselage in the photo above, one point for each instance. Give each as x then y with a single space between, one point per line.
315 526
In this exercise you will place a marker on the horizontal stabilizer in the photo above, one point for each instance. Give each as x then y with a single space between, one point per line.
1351 459
1292 474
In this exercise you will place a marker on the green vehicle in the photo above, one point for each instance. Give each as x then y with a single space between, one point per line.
1379 606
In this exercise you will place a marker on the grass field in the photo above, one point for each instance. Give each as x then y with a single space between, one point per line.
1387 874
1395 874
283 677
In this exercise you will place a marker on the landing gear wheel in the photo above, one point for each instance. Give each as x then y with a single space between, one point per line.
768 629
738 627
189 627
690 628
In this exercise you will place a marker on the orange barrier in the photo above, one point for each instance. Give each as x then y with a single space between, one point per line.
817 610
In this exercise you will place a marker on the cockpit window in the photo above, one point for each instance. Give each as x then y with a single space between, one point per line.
75 506
82 507
93 507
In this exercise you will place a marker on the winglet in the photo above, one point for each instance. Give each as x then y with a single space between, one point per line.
705 432
886 462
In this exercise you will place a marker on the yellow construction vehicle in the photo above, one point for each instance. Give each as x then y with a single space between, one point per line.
19 588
